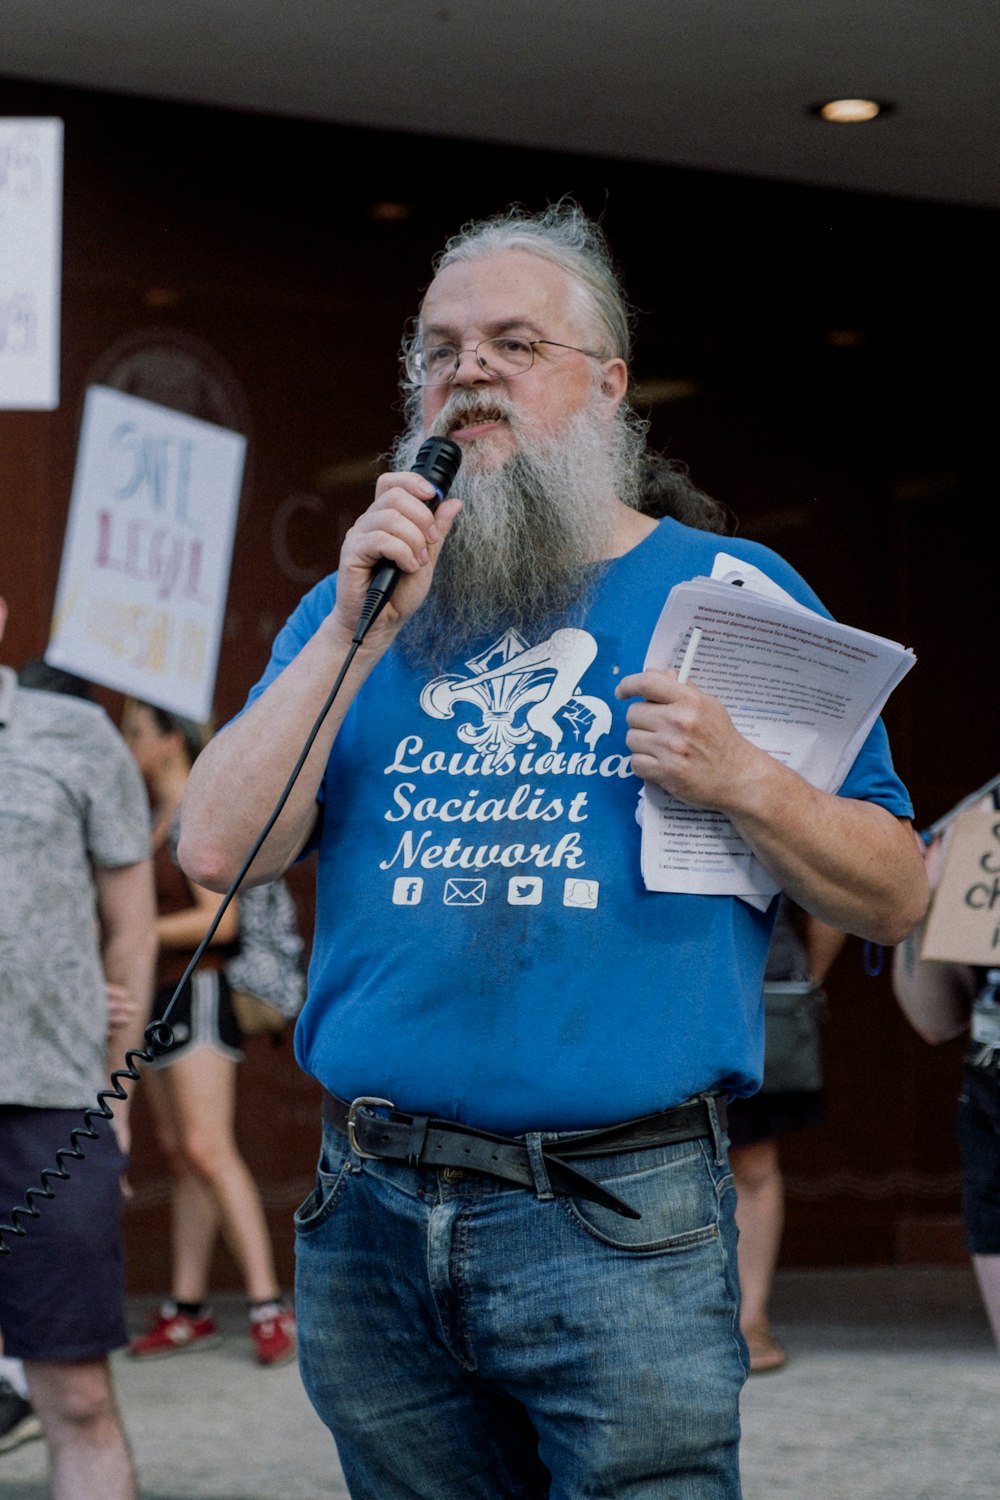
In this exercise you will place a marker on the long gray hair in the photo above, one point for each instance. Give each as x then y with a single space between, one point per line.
561 233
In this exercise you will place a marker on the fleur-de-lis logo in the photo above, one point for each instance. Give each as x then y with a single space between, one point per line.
522 691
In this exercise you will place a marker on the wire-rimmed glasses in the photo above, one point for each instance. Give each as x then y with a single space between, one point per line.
500 358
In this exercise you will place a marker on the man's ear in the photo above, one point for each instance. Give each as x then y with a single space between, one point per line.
3 616
614 382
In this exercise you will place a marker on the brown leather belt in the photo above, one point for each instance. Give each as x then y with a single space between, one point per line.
375 1128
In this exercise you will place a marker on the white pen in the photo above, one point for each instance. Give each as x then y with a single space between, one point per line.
692 646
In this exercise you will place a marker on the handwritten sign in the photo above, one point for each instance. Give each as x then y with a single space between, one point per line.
30 262
145 565
964 922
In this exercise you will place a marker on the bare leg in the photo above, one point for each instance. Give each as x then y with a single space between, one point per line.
202 1088
89 1457
194 1225
194 1212
987 1269
760 1216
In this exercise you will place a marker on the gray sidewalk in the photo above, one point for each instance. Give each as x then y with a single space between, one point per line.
892 1392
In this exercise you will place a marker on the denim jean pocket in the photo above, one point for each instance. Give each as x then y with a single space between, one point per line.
332 1172
676 1189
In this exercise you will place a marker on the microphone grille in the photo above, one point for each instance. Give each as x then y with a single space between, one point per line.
438 460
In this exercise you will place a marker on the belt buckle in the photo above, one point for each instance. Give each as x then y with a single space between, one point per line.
363 1101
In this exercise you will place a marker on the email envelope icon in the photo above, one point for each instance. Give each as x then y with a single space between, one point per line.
464 892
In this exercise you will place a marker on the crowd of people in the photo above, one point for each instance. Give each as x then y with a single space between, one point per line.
524 1211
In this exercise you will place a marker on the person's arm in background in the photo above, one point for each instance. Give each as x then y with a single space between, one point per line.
126 909
822 944
187 927
936 997
121 1008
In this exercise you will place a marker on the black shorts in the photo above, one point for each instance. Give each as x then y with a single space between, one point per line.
202 1017
768 1117
62 1287
978 1131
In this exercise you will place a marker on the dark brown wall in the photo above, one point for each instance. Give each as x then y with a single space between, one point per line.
832 345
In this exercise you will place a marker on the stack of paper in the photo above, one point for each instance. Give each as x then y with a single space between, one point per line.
804 688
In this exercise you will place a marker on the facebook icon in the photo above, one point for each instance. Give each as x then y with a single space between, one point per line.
408 890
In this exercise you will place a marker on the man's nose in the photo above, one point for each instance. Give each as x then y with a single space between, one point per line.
470 370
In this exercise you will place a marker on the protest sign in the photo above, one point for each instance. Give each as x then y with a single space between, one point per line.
964 922
145 565
30 263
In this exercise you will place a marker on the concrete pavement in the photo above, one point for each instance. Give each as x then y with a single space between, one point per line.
892 1392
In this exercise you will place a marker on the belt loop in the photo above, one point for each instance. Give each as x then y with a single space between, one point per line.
718 1133
417 1138
539 1170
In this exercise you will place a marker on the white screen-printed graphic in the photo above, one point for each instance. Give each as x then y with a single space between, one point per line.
582 893
408 890
459 891
520 691
525 890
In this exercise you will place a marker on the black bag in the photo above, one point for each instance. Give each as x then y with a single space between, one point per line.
793 1010
267 973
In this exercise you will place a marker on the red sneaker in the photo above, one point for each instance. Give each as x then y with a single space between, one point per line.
173 1332
272 1330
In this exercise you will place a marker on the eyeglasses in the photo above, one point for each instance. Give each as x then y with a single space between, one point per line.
500 358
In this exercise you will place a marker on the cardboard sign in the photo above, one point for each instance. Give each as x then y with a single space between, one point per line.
30 262
964 922
145 565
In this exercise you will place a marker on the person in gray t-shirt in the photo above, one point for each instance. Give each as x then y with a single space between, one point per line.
77 911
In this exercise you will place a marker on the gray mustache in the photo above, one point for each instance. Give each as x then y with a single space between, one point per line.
467 410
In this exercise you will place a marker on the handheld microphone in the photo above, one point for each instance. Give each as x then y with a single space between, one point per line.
437 460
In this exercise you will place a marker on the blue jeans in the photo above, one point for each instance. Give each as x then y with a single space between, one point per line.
467 1339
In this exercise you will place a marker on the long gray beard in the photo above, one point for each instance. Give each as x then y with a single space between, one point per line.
521 552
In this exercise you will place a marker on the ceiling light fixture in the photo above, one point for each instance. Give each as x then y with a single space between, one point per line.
850 111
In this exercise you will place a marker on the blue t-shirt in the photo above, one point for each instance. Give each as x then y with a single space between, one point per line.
485 948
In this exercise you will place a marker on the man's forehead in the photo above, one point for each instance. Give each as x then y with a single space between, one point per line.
504 289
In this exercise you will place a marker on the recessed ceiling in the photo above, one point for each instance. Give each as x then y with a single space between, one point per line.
723 85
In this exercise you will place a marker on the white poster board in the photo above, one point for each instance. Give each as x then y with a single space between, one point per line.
30 262
145 564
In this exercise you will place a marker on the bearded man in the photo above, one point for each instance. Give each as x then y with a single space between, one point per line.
517 1271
